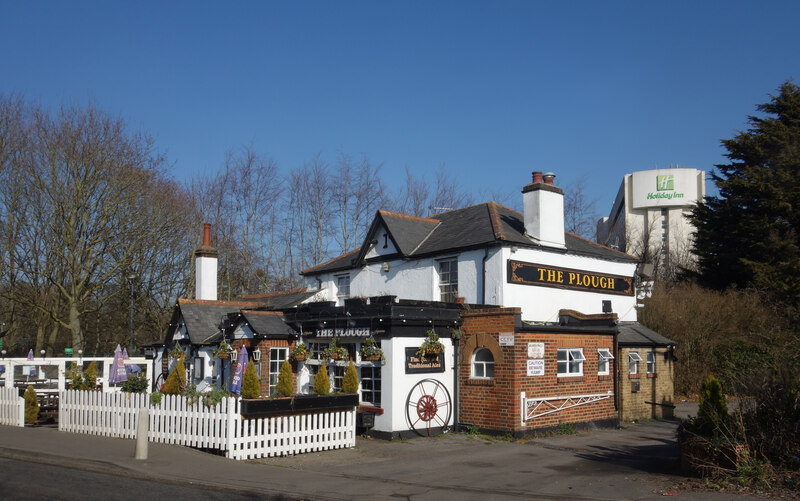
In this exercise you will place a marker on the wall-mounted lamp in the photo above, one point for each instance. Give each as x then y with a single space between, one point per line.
386 266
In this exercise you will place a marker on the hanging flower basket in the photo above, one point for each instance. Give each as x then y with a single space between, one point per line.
370 351
372 358
431 347
223 350
299 353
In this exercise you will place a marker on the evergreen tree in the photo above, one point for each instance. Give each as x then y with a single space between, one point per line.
176 381
322 383
285 384
31 406
251 387
350 381
749 236
90 377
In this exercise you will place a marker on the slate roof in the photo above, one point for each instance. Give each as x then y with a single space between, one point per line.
636 334
282 300
203 318
267 323
478 226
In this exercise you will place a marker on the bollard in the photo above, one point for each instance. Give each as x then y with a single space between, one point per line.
141 434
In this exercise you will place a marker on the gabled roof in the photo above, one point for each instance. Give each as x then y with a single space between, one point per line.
478 226
203 318
636 334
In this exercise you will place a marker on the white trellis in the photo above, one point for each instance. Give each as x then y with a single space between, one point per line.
533 408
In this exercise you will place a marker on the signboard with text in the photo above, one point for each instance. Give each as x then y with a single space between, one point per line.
566 278
665 187
416 365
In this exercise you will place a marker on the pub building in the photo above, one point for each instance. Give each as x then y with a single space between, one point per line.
528 315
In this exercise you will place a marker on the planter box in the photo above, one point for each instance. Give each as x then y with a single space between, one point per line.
297 404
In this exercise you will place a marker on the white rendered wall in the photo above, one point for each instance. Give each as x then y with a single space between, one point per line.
396 384
541 304
206 281
415 279
544 217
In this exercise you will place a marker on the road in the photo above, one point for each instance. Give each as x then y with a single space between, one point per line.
22 480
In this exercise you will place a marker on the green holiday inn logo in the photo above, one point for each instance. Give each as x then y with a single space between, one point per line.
665 183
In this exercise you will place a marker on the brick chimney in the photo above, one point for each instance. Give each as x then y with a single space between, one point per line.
543 204
205 259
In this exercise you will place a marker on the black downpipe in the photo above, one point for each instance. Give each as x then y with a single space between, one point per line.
483 282
456 381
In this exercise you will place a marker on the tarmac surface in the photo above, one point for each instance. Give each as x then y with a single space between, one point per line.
639 461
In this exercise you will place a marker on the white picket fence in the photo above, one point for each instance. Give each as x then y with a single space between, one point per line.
177 421
12 407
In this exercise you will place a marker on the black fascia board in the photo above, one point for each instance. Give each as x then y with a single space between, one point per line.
568 329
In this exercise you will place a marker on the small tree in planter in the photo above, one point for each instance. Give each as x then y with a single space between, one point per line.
350 381
75 377
31 406
285 386
431 346
251 388
176 381
322 383
90 377
136 383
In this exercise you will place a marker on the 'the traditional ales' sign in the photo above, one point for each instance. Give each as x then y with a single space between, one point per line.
566 278
416 365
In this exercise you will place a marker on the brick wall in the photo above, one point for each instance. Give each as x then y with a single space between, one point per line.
495 404
655 387
263 346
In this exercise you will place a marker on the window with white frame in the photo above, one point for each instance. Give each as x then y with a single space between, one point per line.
276 357
483 364
448 280
371 385
633 362
315 350
603 357
343 286
338 377
651 362
570 362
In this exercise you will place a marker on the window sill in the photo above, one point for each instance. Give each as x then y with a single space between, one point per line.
571 379
634 376
652 375
604 377
479 382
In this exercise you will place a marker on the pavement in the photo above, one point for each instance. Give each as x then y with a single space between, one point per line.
639 461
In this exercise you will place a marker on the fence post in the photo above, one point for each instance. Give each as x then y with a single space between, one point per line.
231 422
141 433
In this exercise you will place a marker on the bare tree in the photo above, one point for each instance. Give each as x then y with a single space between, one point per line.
579 210
357 194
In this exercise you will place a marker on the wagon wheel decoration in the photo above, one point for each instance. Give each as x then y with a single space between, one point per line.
428 406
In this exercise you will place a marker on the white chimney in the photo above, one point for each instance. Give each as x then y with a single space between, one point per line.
543 204
205 259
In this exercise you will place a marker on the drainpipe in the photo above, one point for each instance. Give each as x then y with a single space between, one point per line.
483 264
456 383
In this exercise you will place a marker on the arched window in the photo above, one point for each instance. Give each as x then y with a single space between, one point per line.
483 364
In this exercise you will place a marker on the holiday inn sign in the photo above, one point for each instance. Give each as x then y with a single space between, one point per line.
663 187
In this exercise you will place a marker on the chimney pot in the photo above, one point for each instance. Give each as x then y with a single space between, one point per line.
207 234
548 177
537 176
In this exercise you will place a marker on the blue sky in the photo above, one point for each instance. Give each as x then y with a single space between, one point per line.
492 90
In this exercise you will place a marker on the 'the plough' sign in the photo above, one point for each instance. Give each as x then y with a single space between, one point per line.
566 278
